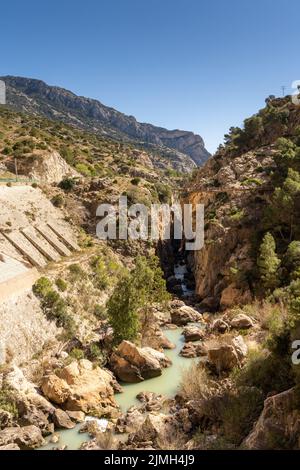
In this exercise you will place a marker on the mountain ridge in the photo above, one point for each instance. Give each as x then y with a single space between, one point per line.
36 97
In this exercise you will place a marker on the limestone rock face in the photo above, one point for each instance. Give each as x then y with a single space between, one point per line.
240 347
232 295
55 389
132 364
278 423
237 205
80 387
185 314
27 437
51 168
33 408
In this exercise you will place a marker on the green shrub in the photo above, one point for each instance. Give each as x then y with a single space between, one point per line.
54 307
76 272
239 410
42 287
77 353
265 371
61 284
100 312
57 200
7 402
67 184
237 214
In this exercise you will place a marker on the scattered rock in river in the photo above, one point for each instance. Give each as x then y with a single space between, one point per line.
183 315
152 401
62 420
130 421
193 333
7 419
54 438
223 357
191 350
76 416
132 364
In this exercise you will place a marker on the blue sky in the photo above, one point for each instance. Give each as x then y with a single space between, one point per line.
190 64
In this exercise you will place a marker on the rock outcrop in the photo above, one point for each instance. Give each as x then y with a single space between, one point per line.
241 322
27 437
82 387
49 168
278 426
132 364
193 333
191 350
234 194
224 357
183 315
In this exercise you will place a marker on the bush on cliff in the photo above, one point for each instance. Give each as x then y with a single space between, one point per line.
53 305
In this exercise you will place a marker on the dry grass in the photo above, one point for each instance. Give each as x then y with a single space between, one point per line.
195 383
267 314
220 340
174 441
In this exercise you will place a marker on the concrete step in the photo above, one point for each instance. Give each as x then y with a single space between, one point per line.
64 236
26 248
6 248
9 268
17 284
52 238
40 244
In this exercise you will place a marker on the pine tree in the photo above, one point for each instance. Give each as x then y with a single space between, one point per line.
268 262
134 293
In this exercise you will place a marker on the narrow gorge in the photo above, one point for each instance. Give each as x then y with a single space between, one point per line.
141 344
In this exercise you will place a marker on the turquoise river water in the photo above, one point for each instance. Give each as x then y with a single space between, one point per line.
166 384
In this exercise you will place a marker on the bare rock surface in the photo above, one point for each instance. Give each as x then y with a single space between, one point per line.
132 364
82 387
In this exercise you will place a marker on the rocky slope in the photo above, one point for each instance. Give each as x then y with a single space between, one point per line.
236 187
38 98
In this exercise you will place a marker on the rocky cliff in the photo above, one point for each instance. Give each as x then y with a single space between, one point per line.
236 186
36 97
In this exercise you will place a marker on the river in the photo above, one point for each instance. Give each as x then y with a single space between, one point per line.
167 384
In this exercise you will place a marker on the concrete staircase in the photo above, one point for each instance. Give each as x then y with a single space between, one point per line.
39 244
